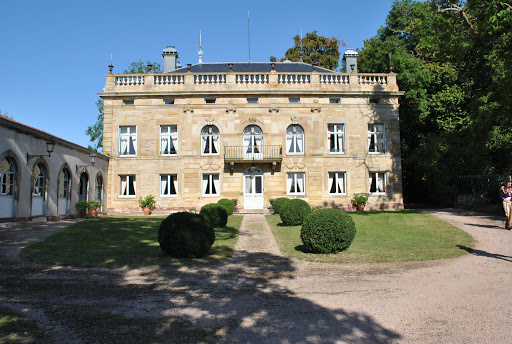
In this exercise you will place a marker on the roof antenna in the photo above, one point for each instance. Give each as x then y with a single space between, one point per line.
300 47
249 36
200 52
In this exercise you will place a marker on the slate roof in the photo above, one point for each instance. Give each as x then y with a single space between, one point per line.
252 67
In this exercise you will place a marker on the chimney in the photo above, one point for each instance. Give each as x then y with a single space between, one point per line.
170 55
350 58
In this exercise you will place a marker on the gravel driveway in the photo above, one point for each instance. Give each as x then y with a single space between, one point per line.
260 296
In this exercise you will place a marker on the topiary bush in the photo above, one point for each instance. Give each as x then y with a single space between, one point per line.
328 231
215 214
228 204
294 211
186 235
278 203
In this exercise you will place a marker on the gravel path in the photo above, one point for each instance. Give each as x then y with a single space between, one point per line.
260 296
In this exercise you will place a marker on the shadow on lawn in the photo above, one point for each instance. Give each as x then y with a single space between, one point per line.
239 300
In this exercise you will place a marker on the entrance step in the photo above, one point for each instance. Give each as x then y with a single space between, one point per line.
254 211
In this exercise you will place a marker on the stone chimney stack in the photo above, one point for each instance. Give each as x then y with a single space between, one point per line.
170 55
350 58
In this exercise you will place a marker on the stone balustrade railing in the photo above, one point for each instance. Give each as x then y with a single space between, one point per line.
287 80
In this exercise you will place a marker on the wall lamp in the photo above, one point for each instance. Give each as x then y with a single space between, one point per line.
50 146
93 157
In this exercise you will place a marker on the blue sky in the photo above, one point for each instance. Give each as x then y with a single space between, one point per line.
54 54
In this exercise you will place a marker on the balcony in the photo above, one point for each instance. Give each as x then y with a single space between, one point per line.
249 154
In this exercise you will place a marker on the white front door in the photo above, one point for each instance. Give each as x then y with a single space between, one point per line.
253 188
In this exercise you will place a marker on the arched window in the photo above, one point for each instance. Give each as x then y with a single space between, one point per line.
39 189
99 189
210 140
295 139
7 177
63 199
253 139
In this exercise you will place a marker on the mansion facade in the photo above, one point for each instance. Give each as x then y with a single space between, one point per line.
251 132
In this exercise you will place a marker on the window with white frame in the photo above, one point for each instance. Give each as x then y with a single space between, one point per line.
337 183
295 139
296 183
127 141
376 138
168 140
253 139
127 185
210 185
336 137
210 140
39 189
377 182
168 185
7 174
64 183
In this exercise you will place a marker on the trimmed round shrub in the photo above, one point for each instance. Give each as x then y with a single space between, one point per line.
294 211
186 235
215 214
278 203
328 231
228 204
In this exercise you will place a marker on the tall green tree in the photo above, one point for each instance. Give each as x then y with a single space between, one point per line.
316 49
95 131
453 62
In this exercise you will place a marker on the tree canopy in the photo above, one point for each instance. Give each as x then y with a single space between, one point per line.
95 131
319 50
454 62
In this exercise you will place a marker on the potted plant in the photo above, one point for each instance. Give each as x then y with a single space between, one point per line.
81 206
147 204
92 206
359 200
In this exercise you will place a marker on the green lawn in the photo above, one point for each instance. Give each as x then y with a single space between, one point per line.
384 236
118 241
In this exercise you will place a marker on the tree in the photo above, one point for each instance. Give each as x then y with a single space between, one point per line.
316 49
141 67
95 131
453 60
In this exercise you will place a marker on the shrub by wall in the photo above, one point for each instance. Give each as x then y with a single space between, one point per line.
328 231
215 214
186 235
294 211
228 204
278 203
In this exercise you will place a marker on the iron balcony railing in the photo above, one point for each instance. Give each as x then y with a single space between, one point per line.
253 153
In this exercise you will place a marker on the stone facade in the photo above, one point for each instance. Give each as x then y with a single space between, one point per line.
42 185
280 130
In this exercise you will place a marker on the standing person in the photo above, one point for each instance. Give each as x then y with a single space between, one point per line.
506 196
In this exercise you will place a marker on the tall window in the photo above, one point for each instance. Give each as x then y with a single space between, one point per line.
296 183
127 141
253 139
377 182
7 173
210 140
99 189
295 139
64 183
168 185
376 138
210 185
127 185
336 137
337 185
39 189
168 140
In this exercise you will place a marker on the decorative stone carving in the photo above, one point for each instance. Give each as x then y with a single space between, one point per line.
208 165
295 165
295 120
209 120
273 111
315 110
252 120
188 111
230 110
